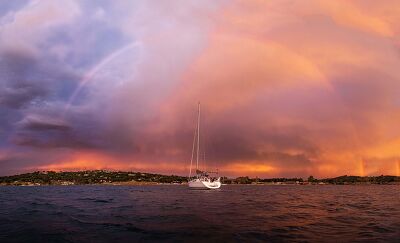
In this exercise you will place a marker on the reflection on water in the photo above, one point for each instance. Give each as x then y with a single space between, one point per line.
175 213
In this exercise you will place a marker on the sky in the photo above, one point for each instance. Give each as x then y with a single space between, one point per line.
288 88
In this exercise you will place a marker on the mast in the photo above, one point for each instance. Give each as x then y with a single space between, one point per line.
191 160
198 137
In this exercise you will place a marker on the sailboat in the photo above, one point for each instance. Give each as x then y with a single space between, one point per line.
201 179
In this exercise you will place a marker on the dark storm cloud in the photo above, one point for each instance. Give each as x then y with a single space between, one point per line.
50 140
20 79
232 142
48 129
29 83
222 142
43 124
25 79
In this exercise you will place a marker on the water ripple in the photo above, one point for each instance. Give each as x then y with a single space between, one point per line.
176 214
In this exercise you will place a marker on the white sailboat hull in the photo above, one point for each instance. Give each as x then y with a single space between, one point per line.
201 180
204 184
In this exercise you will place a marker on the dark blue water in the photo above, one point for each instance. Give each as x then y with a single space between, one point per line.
176 214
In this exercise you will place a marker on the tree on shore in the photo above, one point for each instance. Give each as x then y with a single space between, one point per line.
311 179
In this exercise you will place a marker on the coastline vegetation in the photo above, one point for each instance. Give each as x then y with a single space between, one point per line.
89 177
138 178
340 180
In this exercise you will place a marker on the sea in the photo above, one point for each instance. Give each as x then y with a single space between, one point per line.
174 213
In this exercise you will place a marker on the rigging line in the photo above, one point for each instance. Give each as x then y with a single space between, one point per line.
204 142
198 137
191 160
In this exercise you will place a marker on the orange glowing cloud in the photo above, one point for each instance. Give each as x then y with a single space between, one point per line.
374 18
249 168
264 56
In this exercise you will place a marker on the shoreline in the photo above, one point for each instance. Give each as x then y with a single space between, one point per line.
184 184
102 184
129 178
